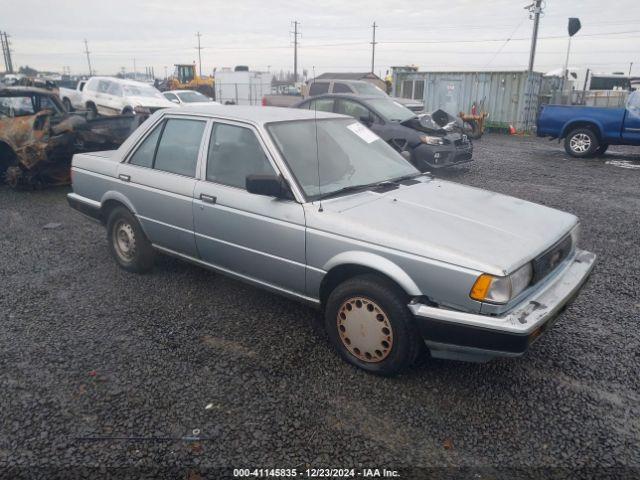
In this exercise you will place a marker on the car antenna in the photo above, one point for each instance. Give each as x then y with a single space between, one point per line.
315 120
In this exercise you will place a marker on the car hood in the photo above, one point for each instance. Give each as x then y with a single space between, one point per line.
151 102
448 222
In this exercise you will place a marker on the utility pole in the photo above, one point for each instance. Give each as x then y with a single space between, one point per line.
373 47
535 9
86 50
6 52
295 50
199 54
135 72
630 67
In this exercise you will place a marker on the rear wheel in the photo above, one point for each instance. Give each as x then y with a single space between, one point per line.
368 322
128 243
581 142
67 105
92 111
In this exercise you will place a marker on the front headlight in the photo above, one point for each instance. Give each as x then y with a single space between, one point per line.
432 140
489 288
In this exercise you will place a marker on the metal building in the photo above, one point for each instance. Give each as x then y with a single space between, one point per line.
507 96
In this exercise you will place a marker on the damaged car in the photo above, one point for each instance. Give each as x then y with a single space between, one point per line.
38 136
423 141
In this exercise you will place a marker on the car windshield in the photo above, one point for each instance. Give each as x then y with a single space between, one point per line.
391 110
368 89
192 97
348 155
141 91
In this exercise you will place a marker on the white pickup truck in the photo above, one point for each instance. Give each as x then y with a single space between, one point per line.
72 98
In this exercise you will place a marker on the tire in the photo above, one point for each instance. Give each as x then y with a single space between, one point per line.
391 343
67 105
602 149
581 143
127 111
92 111
127 242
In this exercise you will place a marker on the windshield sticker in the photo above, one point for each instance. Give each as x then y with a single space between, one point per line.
363 132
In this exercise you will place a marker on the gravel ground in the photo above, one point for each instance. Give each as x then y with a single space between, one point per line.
105 368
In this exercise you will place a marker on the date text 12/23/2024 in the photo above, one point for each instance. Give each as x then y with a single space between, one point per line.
315 473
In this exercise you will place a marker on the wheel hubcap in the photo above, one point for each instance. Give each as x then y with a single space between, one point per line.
365 330
580 143
124 240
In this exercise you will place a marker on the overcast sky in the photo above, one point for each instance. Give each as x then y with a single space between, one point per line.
335 34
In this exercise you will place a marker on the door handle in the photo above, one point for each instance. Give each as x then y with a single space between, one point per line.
124 178
207 198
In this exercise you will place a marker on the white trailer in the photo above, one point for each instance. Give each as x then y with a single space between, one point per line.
242 88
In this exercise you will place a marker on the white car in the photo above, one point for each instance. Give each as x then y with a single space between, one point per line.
188 97
115 96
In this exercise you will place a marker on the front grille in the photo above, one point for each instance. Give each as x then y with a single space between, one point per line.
549 260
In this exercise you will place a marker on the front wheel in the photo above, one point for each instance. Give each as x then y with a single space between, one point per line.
581 142
128 243
67 105
602 149
368 322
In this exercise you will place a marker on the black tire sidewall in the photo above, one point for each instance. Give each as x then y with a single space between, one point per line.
143 259
406 340
595 144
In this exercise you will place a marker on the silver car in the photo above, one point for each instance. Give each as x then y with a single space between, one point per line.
315 206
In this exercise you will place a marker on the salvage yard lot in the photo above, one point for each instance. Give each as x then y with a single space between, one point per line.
91 352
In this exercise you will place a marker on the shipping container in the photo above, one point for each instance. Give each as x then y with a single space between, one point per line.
510 98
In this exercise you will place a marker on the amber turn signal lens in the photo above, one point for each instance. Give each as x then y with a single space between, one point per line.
480 289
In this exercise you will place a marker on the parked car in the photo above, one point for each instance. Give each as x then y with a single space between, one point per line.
115 96
188 97
72 97
38 136
427 145
358 87
315 206
588 131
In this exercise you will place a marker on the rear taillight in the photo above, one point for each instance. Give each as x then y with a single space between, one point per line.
264 101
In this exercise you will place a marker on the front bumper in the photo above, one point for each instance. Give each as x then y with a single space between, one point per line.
440 156
466 336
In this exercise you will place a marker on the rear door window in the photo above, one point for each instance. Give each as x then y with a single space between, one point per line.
341 88
143 157
322 105
318 88
179 146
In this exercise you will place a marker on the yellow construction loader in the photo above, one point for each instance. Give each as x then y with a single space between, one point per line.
185 78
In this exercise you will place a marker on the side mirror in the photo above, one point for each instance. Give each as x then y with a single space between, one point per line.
268 185
174 100
366 119
406 155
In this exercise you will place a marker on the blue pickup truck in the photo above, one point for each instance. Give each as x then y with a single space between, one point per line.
588 131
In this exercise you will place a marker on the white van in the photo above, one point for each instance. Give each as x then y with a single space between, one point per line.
115 96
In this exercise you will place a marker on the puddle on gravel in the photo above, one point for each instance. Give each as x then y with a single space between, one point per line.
623 164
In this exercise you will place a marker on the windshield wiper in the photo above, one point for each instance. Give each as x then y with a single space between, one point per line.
350 188
406 177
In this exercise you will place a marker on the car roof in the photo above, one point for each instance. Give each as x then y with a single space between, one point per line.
252 114
180 91
350 96
122 81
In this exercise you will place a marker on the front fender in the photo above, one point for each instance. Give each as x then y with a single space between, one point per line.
375 262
